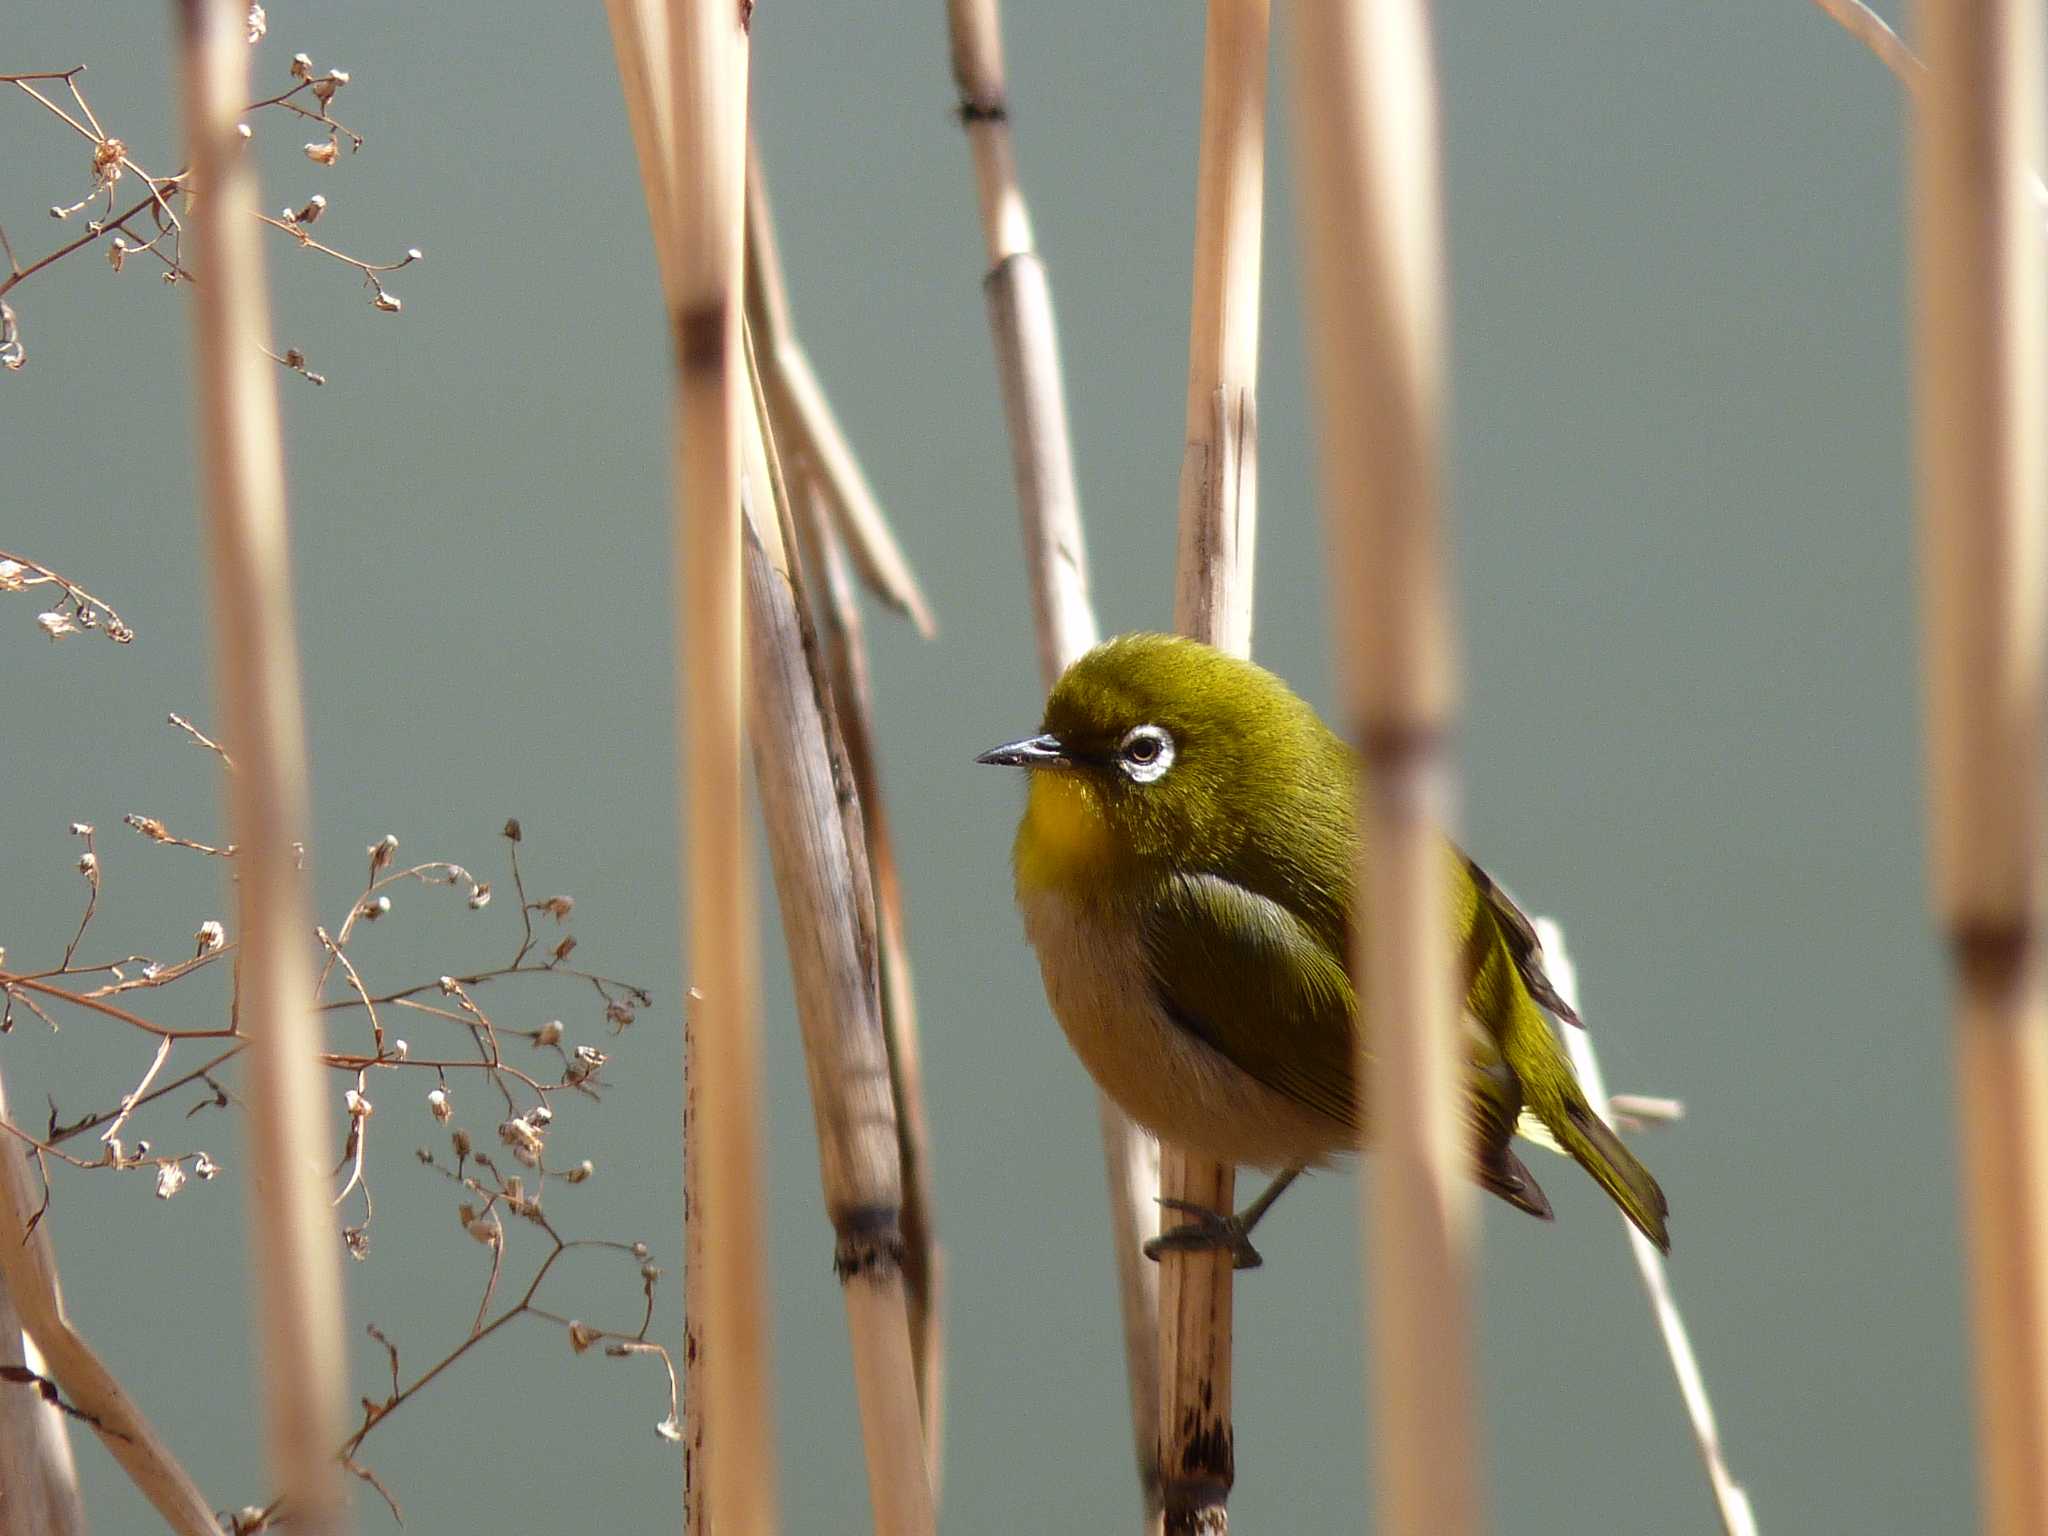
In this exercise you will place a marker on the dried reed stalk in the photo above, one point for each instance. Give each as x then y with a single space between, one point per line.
1026 343
294 1248
822 488
1213 602
704 167
1365 114
1731 1503
1978 288
28 1269
819 854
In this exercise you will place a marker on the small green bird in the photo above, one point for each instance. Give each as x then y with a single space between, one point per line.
1185 870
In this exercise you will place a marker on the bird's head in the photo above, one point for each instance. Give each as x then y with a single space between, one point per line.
1158 750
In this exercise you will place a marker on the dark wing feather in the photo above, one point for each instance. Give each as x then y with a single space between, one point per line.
1523 946
1243 974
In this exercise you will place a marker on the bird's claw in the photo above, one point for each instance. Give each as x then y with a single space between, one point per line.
1206 1232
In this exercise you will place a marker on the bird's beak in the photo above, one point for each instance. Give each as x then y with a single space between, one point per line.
1031 752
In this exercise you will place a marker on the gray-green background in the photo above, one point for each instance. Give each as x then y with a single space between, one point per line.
1679 472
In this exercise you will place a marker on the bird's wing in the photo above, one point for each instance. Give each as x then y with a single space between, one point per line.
1244 975
1523 945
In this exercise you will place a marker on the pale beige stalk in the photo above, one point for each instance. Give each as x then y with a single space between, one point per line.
1979 339
1213 602
705 168
1371 230
1026 342
29 1276
1731 1503
294 1248
819 855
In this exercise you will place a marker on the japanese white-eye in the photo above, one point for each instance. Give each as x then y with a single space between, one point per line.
1185 867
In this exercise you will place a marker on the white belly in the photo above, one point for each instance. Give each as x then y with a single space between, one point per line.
1178 1087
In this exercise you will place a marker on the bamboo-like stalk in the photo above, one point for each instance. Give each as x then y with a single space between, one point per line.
705 170
824 485
1731 1503
1020 315
808 427
29 1276
819 854
1213 602
293 1244
1366 121
1980 393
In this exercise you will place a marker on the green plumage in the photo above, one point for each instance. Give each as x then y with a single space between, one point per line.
1192 913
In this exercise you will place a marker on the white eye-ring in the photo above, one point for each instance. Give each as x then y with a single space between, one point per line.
1145 753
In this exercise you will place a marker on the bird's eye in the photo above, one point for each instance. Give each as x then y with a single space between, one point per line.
1146 752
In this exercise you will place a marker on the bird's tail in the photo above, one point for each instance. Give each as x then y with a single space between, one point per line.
1551 1091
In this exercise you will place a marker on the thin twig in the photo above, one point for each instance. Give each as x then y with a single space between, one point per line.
1730 1501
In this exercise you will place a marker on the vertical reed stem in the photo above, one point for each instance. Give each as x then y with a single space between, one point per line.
294 1249
28 1275
706 162
1042 459
1978 283
1366 121
1213 602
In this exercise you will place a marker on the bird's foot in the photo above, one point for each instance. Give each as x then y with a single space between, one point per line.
1207 1232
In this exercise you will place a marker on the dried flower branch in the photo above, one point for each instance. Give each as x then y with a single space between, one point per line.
86 613
164 198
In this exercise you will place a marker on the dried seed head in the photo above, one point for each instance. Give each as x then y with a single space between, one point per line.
81 829
557 907
459 1140
170 1178
385 303
400 1049
639 1250
257 23
385 846
211 936
438 1105
374 908
204 1167
56 625
148 826
669 1429
549 1033
359 1108
323 152
117 253
580 1336
302 66
11 572
480 896
541 1116
88 864
580 1172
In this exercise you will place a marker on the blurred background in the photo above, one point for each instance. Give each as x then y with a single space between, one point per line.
1679 475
